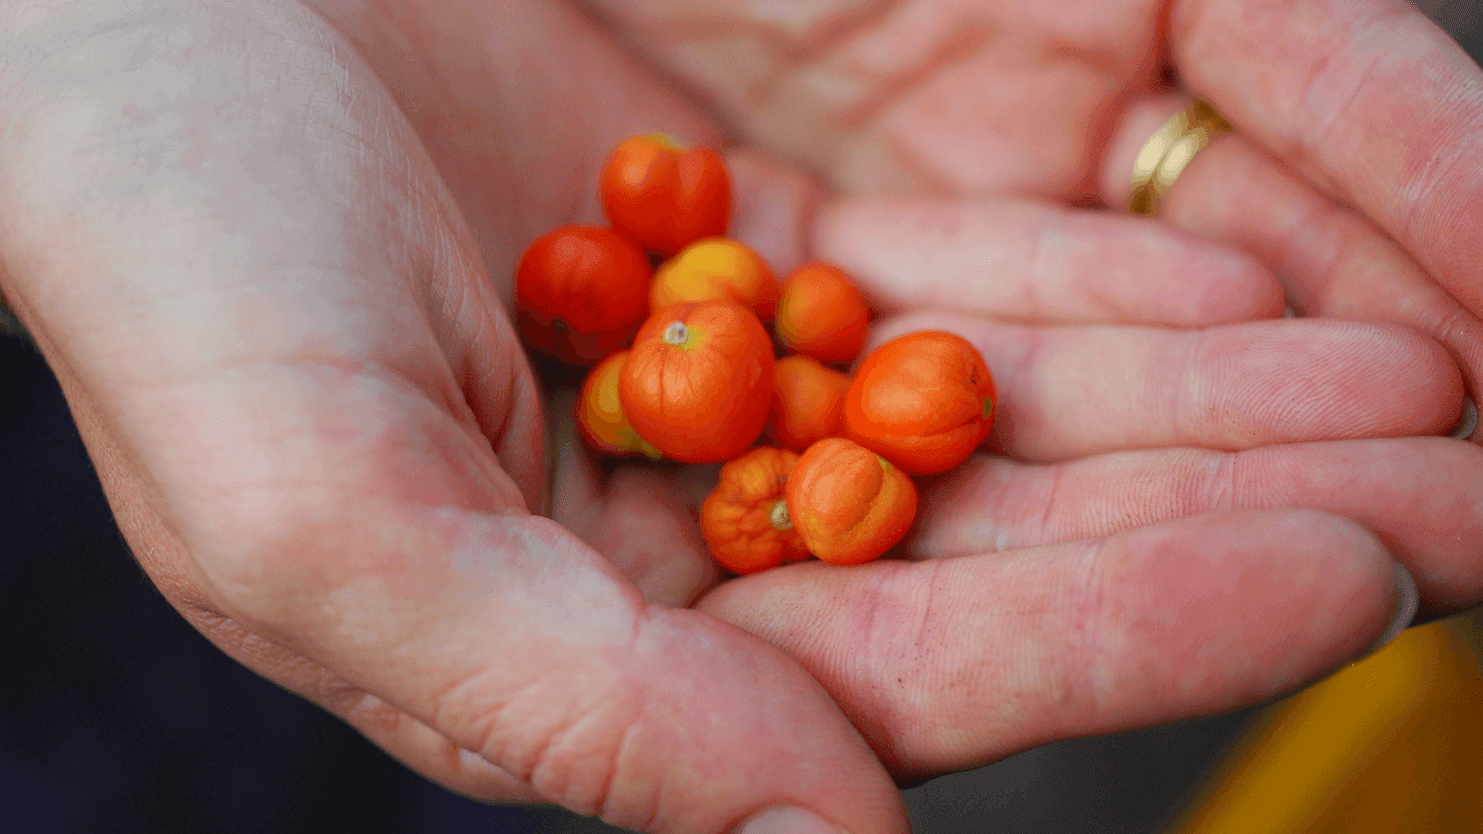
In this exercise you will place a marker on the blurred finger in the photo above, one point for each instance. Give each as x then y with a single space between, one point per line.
948 664
1422 496
1071 391
772 207
1331 261
1023 259
1365 98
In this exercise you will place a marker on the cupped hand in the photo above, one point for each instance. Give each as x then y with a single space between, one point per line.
239 237
1030 261
323 442
1352 178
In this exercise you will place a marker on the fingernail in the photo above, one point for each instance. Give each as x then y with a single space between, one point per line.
1405 599
786 819
1469 422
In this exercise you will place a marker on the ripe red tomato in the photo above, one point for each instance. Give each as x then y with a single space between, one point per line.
581 292
665 195
698 382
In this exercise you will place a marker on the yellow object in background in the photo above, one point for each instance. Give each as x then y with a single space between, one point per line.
1393 744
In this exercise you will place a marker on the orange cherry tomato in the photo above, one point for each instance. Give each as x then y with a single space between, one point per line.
581 292
698 381
745 519
807 403
663 194
600 417
849 504
822 314
924 400
716 268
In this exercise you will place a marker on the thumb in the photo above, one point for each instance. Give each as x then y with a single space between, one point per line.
512 639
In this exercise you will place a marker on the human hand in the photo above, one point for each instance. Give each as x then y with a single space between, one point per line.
321 438
317 432
1351 177
1175 281
1348 179
1352 174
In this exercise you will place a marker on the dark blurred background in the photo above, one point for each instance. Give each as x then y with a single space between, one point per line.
115 716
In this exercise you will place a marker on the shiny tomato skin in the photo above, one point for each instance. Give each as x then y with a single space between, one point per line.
665 195
581 292
698 382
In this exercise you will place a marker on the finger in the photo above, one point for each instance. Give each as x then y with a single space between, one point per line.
1423 497
1331 261
949 664
772 207
1366 98
1071 391
1029 260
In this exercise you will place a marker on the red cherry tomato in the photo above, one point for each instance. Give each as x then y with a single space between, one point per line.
665 195
581 292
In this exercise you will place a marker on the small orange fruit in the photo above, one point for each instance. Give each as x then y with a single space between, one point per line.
745 519
698 382
822 314
807 403
716 269
849 504
600 417
580 293
663 194
925 401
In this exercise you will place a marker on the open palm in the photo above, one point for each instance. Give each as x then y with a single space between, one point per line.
1343 182
268 271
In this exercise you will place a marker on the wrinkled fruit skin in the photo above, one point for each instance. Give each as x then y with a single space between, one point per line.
924 401
580 293
663 195
705 400
849 504
740 519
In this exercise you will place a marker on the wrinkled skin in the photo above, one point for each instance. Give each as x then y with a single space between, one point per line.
267 251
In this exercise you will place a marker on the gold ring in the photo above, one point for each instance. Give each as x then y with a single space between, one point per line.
1169 151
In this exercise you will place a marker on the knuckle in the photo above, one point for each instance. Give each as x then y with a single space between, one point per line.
569 733
917 674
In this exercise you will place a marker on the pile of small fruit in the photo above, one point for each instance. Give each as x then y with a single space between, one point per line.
683 366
